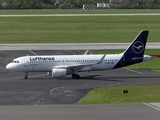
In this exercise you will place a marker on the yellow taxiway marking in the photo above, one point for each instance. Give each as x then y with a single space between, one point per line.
133 71
32 52
7 59
15 78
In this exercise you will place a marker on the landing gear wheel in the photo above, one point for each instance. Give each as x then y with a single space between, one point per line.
73 76
77 77
26 77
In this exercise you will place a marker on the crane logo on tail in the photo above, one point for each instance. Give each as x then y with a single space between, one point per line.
138 47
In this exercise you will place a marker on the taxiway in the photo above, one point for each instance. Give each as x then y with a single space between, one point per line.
42 89
41 96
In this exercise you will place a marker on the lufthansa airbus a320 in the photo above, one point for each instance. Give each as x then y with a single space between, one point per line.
62 65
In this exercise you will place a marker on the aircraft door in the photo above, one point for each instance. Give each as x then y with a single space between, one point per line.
26 62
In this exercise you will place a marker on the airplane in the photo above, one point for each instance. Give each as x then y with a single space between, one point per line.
61 65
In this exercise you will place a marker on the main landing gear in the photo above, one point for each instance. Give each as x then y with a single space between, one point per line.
26 76
75 76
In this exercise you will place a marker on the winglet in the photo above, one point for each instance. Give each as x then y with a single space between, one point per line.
86 52
101 60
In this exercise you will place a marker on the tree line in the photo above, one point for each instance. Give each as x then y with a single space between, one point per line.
69 4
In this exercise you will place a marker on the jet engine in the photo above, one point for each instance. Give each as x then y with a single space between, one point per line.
59 72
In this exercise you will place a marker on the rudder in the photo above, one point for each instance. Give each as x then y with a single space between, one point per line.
134 53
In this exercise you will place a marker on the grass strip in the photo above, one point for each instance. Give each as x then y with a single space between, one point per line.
111 29
113 95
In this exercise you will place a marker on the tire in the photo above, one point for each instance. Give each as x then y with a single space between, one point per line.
26 77
77 77
73 76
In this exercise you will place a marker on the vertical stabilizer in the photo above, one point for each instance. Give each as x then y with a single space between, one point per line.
134 53
137 47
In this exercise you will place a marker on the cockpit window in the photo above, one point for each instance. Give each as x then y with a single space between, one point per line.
15 62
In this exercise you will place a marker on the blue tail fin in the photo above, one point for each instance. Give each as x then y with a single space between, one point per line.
137 47
134 53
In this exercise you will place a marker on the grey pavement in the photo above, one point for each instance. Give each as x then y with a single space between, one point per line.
42 97
156 105
46 15
73 46
79 112
42 89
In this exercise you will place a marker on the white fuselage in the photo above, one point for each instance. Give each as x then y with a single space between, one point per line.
47 63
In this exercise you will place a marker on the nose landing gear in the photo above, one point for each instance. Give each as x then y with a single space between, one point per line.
26 76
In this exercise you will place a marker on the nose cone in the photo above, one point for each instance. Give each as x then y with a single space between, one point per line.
9 67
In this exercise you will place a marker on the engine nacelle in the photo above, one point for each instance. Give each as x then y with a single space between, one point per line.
59 72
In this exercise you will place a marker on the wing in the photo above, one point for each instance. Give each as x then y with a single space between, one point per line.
77 67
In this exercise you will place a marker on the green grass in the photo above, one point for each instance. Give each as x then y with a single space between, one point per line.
116 29
77 11
147 65
147 51
110 95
